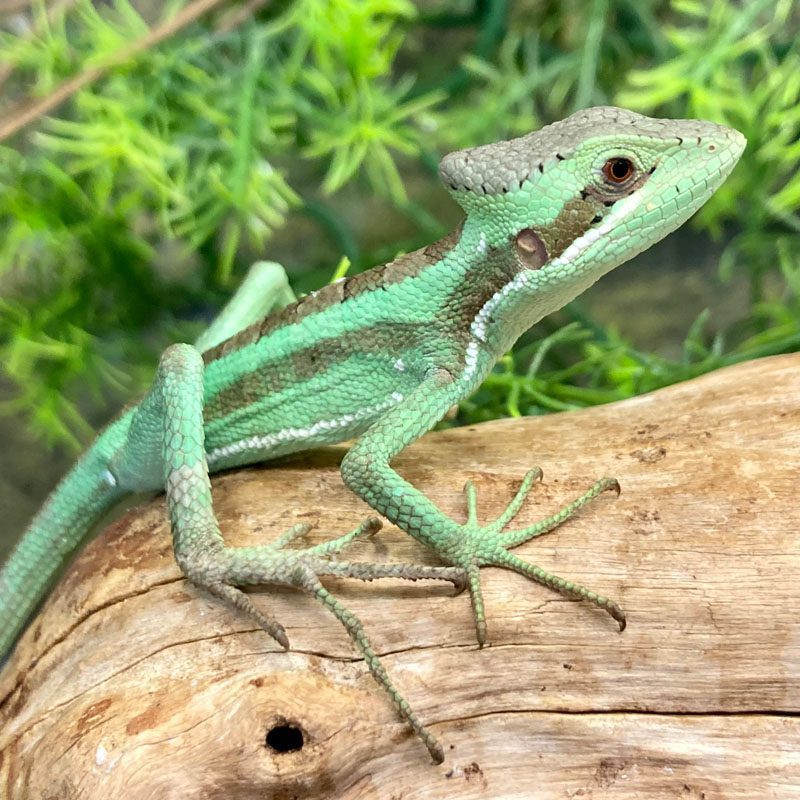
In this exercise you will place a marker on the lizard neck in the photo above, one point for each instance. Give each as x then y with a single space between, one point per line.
506 297
525 279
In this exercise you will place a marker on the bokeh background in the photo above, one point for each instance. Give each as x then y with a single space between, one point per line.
150 151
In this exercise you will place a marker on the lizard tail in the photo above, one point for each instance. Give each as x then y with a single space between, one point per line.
54 534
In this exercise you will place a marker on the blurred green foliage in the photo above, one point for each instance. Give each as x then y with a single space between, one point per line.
139 201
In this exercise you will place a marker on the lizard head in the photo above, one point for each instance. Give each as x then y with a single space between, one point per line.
579 197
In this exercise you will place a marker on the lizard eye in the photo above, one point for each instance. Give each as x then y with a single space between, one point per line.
618 170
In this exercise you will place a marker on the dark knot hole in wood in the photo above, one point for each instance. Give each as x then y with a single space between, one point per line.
285 737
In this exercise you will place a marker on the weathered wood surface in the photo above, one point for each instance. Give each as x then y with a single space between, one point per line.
132 685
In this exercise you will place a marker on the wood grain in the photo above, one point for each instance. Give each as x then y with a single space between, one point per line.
132 684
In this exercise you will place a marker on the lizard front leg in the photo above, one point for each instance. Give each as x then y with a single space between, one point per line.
167 431
366 470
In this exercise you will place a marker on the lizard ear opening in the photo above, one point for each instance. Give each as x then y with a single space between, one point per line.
530 248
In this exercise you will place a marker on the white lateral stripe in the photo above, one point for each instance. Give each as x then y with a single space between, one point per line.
299 434
586 240
108 477
631 202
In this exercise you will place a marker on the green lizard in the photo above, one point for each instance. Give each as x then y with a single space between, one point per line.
381 357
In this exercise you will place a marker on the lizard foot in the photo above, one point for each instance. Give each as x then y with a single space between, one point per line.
477 546
223 570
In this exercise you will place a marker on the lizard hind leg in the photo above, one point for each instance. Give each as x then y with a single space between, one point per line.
490 545
166 435
301 568
265 289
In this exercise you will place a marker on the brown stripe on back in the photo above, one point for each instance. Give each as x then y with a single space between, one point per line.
391 337
403 267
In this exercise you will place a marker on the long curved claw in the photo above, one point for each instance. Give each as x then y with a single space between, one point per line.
238 599
515 538
369 527
567 588
513 508
476 596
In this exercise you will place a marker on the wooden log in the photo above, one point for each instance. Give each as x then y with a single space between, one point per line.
132 684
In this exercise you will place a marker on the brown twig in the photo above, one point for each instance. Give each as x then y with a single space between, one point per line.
25 113
236 16
8 7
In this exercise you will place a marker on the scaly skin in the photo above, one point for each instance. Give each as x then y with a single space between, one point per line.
381 356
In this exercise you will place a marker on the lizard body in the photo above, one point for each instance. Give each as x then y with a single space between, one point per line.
381 356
